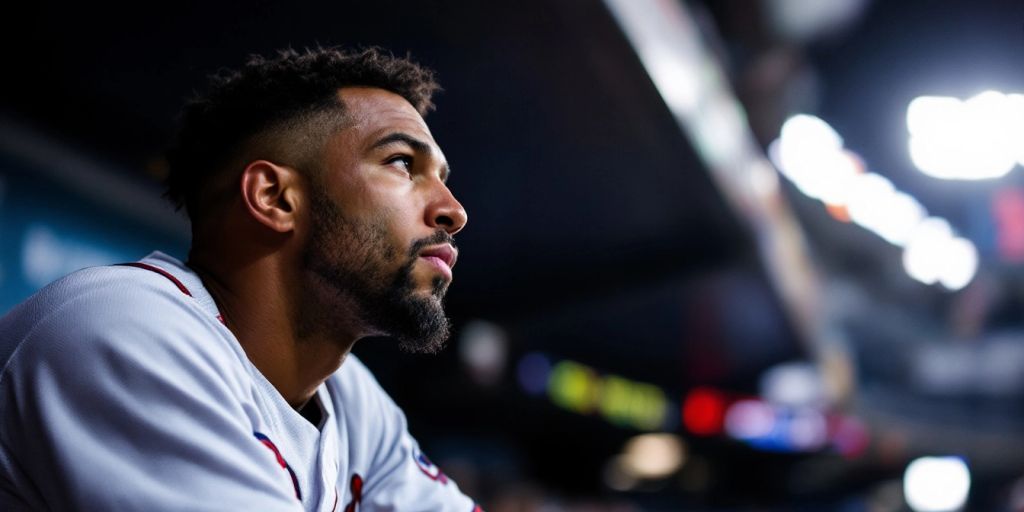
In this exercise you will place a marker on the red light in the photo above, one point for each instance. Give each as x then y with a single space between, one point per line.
850 437
838 212
1008 209
704 411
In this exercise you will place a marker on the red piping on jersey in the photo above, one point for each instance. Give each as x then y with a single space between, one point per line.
158 270
169 276
280 460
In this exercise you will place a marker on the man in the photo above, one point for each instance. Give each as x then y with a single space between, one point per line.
320 216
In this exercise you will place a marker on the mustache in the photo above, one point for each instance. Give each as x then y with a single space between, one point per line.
439 237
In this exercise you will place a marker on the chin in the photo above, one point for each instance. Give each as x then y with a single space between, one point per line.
432 285
440 288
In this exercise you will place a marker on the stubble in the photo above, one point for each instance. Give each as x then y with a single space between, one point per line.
354 273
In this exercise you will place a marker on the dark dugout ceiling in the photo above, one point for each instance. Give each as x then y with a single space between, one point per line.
576 178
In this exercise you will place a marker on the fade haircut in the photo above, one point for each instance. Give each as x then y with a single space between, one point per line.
281 109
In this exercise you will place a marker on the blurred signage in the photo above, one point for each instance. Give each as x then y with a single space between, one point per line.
619 400
770 426
579 388
990 368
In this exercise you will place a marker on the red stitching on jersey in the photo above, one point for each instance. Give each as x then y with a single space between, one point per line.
158 270
335 506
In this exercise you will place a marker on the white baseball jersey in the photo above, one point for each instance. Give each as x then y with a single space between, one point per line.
122 389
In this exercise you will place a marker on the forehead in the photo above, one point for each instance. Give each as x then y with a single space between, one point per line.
371 113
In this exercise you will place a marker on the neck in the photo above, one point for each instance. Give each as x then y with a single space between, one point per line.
260 299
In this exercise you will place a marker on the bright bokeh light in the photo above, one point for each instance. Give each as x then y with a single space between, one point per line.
933 254
876 205
750 419
652 456
483 347
574 386
920 257
812 131
981 138
795 384
1015 108
628 403
808 429
837 175
704 411
937 484
868 194
811 155
579 388
902 213
961 263
930 113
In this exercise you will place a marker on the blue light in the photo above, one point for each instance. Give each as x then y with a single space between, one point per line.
532 372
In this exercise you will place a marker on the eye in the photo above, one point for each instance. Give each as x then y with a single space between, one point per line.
403 162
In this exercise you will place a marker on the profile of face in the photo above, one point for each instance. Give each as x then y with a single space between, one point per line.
380 244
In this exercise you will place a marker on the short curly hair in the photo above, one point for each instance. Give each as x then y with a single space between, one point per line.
280 108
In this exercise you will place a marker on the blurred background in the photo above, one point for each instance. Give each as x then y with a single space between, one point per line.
724 255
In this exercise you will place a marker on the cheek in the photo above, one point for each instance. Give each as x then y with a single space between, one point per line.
389 206
392 240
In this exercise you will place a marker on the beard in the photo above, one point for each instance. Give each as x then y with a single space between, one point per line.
350 266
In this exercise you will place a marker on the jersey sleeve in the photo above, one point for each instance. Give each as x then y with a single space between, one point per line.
401 477
116 401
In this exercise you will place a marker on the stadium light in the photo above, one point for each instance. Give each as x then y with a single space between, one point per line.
937 484
653 456
980 138
810 154
933 254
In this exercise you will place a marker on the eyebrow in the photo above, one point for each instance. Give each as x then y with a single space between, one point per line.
417 145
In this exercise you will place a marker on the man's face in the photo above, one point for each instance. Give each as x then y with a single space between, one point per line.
382 219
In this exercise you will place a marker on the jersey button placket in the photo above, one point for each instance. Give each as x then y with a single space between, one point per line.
330 468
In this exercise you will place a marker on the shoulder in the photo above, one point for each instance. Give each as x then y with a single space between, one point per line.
113 339
120 390
109 317
100 295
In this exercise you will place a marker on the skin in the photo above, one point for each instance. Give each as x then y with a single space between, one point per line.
265 255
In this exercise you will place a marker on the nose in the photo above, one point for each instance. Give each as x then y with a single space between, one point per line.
445 212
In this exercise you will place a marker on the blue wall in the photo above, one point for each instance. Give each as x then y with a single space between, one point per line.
48 229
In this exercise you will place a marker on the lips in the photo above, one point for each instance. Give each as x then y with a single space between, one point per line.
445 253
441 256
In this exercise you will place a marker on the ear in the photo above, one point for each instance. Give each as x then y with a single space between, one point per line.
271 194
